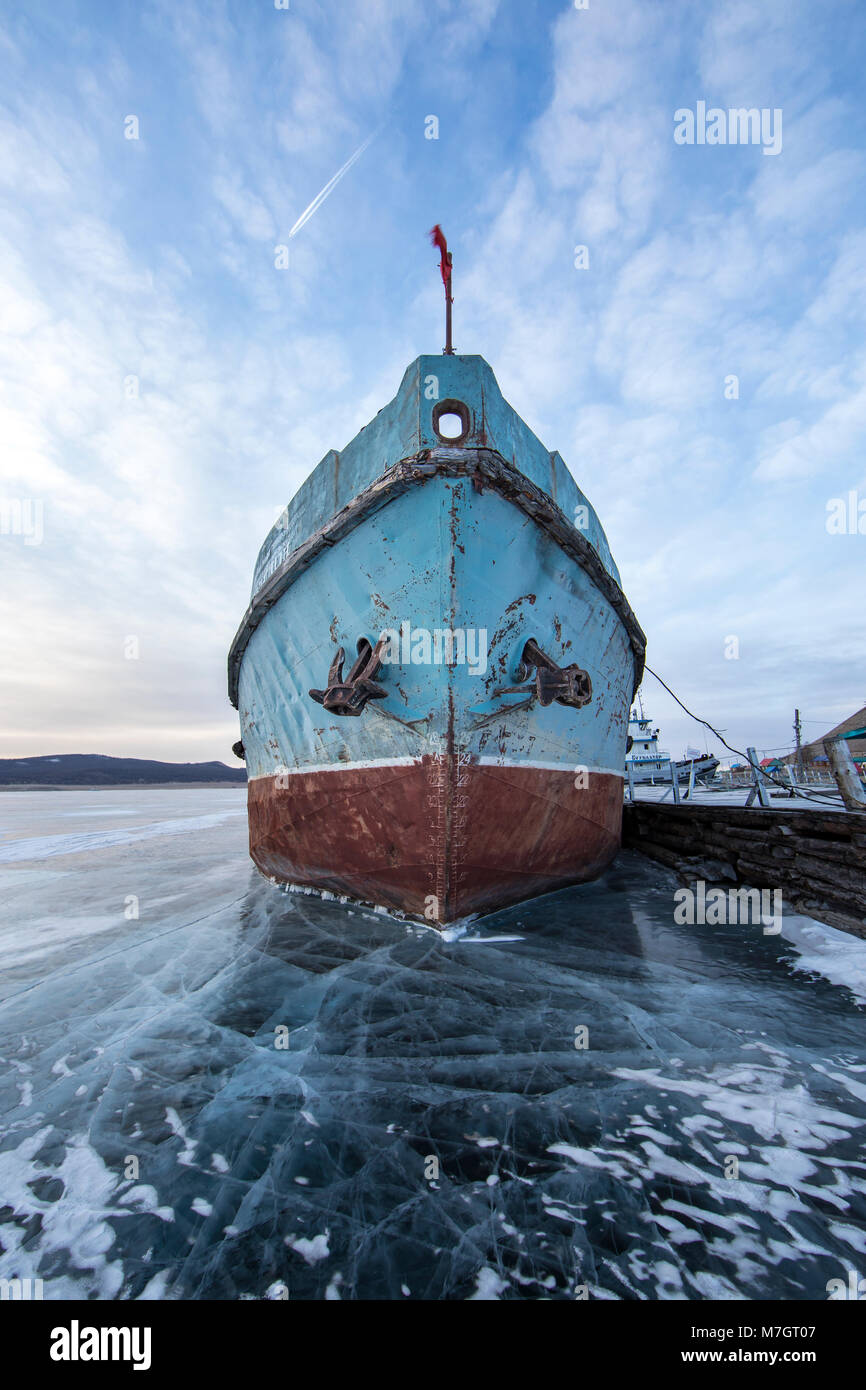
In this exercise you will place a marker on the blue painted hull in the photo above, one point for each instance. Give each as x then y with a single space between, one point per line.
460 789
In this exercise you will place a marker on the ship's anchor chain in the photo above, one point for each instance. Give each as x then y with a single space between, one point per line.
567 685
350 696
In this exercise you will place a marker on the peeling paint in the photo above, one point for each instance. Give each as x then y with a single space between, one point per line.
418 543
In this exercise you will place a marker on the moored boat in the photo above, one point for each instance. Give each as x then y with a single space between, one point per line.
646 762
436 668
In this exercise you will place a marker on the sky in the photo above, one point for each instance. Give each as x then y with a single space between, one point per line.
167 383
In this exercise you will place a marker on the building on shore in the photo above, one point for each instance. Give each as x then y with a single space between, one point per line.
813 753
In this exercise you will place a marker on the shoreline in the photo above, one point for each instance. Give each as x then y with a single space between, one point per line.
113 786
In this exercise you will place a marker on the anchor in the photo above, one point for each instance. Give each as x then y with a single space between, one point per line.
567 685
350 696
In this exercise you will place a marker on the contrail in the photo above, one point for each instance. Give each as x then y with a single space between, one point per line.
320 197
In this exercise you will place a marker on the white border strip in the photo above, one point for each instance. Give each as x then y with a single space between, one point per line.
338 766
364 763
548 767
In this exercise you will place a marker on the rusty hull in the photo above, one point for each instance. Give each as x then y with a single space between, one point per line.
439 839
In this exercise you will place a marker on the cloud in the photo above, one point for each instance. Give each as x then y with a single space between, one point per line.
827 446
247 210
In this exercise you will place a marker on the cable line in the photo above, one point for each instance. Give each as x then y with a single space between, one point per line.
786 786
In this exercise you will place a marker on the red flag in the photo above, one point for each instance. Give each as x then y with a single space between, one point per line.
437 236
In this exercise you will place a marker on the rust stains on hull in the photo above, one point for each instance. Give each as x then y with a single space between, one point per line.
378 834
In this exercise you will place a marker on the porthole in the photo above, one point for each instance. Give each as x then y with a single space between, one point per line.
451 421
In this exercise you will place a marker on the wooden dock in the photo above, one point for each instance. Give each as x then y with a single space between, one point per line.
816 857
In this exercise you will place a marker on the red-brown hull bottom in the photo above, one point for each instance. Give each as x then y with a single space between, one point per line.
437 838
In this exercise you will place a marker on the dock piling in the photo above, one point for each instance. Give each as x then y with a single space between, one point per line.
688 794
759 786
844 769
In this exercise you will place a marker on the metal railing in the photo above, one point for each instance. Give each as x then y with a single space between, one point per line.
756 782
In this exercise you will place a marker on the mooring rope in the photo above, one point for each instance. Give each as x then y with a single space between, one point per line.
786 786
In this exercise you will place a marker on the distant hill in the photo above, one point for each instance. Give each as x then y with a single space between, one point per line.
96 770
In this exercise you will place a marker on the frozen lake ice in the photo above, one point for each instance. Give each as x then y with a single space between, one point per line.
212 1088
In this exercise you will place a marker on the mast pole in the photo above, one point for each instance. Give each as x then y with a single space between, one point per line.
437 236
449 349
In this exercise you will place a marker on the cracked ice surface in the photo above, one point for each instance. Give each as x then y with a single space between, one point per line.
312 1167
